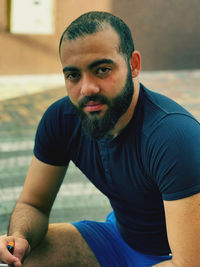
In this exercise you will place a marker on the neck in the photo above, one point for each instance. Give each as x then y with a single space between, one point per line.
126 117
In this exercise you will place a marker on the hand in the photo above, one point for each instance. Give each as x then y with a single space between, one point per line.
21 250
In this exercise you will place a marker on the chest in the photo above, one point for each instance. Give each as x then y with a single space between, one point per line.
116 169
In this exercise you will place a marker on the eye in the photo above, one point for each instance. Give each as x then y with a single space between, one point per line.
103 70
72 76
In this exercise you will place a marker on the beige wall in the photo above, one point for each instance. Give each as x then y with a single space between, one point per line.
166 32
27 54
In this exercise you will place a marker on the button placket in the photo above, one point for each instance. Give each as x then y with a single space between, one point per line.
104 152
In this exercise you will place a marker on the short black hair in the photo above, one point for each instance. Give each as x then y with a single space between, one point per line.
95 21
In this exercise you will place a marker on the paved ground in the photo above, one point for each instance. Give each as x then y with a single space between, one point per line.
77 198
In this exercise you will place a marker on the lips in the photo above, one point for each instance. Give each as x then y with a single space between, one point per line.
92 106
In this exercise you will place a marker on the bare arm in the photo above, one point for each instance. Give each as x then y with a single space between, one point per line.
29 220
183 229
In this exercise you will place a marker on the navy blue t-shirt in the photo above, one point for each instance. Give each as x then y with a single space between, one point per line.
156 157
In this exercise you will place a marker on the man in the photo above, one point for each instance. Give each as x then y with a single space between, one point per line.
139 148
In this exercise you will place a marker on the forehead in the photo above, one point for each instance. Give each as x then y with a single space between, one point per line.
102 44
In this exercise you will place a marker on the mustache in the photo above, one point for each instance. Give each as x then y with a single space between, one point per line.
97 98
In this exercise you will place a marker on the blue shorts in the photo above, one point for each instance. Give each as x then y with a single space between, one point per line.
109 247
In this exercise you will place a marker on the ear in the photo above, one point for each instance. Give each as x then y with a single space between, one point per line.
135 63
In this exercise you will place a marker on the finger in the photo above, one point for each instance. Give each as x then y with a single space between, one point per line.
21 249
5 255
17 263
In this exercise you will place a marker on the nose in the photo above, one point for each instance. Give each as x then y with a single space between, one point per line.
89 85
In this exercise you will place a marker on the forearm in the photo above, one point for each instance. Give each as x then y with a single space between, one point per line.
168 263
171 263
28 222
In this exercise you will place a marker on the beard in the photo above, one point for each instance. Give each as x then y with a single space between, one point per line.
99 127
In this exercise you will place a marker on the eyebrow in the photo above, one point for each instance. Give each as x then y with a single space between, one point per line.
91 65
70 68
99 62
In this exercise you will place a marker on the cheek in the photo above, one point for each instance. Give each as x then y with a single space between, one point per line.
113 85
72 92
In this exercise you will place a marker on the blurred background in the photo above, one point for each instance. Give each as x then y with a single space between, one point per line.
165 32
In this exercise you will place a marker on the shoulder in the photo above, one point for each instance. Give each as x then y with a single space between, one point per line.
166 123
55 133
159 113
62 105
60 113
171 147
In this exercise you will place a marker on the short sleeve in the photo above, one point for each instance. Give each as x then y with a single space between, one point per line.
49 146
174 156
